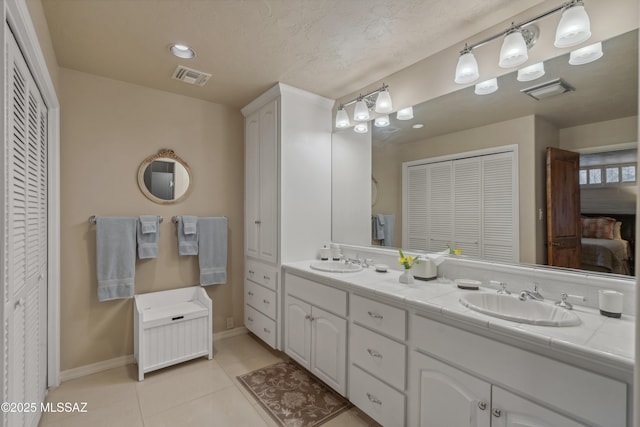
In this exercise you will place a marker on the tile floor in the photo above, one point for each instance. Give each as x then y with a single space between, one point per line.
198 393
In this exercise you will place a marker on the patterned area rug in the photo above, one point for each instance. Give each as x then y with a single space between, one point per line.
292 396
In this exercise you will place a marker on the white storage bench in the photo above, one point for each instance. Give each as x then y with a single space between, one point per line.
171 327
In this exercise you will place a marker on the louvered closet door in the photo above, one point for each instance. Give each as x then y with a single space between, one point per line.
26 193
500 215
439 206
466 208
416 208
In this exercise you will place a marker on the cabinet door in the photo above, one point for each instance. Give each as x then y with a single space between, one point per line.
329 348
268 197
298 331
252 184
443 396
509 410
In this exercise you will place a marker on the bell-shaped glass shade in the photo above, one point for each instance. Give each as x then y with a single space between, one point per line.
405 114
574 27
513 51
486 87
342 119
382 121
361 113
531 72
361 127
586 54
383 103
467 69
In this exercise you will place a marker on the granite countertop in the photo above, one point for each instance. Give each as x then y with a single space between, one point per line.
599 339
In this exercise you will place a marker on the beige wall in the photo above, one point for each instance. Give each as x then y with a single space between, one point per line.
42 31
107 129
611 132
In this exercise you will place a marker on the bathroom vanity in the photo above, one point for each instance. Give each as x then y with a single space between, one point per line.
414 355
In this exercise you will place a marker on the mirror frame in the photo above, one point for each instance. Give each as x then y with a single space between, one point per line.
164 153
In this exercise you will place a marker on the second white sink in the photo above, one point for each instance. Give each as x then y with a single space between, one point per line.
510 307
335 266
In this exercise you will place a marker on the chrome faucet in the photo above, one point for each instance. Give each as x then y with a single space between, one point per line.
503 287
535 294
365 263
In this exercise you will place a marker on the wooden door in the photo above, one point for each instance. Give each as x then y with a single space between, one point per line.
563 208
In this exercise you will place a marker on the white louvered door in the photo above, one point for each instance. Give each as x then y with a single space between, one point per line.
416 236
439 206
467 215
25 295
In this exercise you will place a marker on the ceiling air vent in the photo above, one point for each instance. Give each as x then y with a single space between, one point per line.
191 76
548 89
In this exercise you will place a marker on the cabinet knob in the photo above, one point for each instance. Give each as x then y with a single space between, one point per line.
257 221
249 319
266 277
267 330
250 293
374 399
307 317
374 353
265 301
482 405
496 412
375 315
251 272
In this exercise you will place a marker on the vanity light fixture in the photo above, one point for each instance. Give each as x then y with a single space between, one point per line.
531 72
379 98
486 87
342 118
586 54
361 127
182 51
382 121
405 114
574 28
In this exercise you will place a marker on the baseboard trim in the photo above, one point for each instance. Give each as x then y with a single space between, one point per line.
94 368
118 362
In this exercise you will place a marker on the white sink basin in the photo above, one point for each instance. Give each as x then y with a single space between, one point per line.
510 307
335 267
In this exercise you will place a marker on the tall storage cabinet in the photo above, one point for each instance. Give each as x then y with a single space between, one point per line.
287 196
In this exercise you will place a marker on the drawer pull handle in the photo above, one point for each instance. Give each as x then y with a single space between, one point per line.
374 399
251 272
257 221
267 330
307 317
267 278
265 301
177 318
496 412
249 319
375 315
482 405
250 293
374 353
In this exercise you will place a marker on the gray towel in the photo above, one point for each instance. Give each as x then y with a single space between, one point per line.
389 229
115 257
148 234
188 235
378 227
212 245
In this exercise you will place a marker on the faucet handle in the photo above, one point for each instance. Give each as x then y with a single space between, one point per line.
503 287
563 302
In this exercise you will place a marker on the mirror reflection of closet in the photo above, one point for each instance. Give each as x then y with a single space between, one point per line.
164 178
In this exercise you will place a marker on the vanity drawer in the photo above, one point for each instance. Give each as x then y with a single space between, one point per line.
328 298
262 274
379 316
376 399
261 325
260 298
384 358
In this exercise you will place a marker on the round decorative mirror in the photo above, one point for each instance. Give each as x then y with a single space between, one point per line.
164 177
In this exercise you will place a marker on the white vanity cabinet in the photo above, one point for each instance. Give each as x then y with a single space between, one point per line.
378 359
545 392
261 302
316 329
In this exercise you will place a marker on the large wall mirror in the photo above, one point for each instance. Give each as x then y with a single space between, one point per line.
598 120
165 178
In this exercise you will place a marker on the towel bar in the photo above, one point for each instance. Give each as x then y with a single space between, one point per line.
92 219
176 218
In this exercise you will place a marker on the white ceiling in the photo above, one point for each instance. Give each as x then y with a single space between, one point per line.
329 47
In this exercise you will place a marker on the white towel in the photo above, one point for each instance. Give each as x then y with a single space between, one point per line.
148 234
115 257
188 235
212 247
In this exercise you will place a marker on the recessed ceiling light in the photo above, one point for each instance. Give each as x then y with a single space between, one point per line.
417 126
182 51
